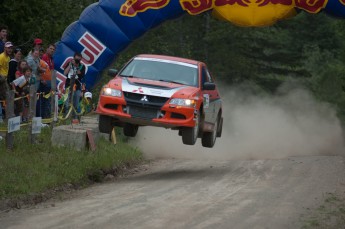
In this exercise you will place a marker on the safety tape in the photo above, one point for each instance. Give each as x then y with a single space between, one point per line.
5 129
60 116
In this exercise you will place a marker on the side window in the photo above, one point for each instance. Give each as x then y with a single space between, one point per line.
204 75
209 78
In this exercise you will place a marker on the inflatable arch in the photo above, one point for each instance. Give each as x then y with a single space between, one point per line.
107 27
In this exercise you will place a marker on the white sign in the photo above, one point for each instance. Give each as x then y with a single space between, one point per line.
206 100
36 125
13 124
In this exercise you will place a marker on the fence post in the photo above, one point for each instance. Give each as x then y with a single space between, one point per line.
52 98
70 96
32 111
9 114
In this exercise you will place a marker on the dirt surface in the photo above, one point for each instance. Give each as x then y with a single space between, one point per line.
278 162
175 193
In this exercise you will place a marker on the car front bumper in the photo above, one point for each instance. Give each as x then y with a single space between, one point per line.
146 113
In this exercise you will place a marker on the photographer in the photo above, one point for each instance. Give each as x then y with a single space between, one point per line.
74 70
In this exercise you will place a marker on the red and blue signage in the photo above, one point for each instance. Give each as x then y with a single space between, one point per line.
107 27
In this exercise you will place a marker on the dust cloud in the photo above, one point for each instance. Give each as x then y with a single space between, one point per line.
291 123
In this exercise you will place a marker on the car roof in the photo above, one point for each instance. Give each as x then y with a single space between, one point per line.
173 58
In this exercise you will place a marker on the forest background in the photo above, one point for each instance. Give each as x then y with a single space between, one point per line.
307 50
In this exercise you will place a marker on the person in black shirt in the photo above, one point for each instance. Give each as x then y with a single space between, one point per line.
13 65
74 70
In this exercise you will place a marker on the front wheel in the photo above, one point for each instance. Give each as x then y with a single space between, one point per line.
209 138
190 134
130 130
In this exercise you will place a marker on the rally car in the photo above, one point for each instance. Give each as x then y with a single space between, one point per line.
162 91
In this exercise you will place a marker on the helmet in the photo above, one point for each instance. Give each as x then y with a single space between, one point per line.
88 95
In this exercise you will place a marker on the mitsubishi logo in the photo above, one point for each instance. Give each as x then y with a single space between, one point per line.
144 99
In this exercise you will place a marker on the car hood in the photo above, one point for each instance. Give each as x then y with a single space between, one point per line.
155 88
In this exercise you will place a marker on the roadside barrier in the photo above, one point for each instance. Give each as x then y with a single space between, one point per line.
13 123
60 116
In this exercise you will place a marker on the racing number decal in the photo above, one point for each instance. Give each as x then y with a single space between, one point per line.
206 100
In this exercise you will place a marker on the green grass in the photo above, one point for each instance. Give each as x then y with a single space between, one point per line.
31 169
330 214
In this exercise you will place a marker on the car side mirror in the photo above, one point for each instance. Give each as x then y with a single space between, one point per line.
112 72
209 86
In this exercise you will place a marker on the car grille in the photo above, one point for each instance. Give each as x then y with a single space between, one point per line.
148 109
143 112
152 100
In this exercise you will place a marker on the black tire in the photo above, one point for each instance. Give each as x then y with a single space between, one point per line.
105 124
190 134
209 138
130 130
220 128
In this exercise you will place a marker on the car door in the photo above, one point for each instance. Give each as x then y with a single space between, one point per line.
210 97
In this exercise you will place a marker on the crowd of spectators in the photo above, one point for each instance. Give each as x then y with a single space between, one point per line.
18 72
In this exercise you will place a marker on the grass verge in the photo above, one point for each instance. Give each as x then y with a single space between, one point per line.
29 170
330 214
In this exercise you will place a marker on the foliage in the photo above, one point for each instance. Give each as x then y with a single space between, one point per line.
308 48
44 19
32 169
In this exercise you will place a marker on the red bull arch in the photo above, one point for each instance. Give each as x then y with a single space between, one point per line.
107 27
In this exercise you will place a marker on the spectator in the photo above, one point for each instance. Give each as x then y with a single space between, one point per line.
3 37
34 63
48 56
20 68
21 88
13 64
37 45
74 70
87 104
46 77
4 61
43 104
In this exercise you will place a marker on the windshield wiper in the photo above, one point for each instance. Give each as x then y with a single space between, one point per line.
171 81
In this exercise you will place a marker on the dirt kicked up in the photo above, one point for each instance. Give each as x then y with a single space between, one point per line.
291 123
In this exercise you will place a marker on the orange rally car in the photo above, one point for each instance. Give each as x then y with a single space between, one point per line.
162 91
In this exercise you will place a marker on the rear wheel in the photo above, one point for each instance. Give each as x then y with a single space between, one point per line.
130 130
105 124
190 134
209 138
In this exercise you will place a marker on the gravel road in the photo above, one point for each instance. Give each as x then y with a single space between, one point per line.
176 193
278 160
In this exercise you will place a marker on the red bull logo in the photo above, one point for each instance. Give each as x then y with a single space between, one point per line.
342 2
131 7
194 7
274 2
198 6
311 6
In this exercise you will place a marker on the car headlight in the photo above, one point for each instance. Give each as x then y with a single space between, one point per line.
183 102
112 92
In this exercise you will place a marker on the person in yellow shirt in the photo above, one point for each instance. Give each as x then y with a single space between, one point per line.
4 65
5 59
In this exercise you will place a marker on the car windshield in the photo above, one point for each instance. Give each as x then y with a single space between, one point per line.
162 70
